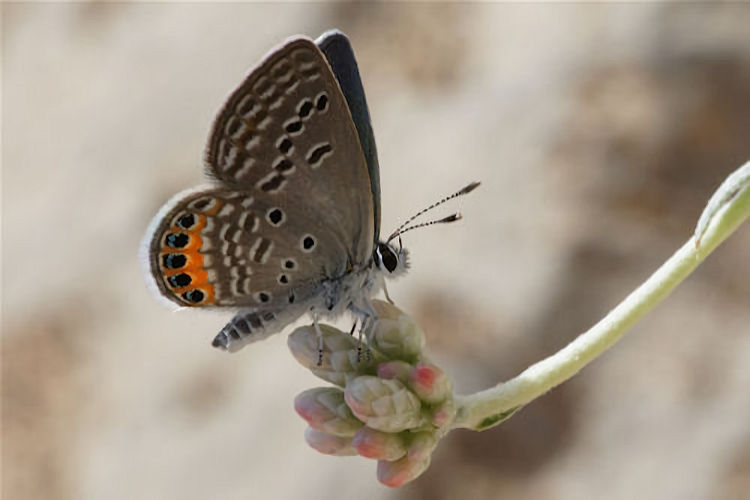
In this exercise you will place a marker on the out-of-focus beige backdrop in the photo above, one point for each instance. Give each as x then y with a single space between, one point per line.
598 132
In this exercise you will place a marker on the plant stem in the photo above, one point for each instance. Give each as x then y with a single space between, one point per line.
726 210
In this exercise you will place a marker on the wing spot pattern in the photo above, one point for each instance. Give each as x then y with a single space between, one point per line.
294 126
183 273
248 222
285 145
272 183
275 217
318 153
247 107
283 166
308 243
263 87
261 250
304 108
282 71
227 209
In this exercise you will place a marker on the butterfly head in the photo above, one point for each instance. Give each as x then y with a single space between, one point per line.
390 260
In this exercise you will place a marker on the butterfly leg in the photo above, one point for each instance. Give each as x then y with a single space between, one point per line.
372 316
319 334
362 329
387 297
368 315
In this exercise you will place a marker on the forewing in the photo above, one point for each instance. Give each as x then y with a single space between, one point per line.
286 133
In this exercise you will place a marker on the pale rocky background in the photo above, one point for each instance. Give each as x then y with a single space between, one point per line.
598 132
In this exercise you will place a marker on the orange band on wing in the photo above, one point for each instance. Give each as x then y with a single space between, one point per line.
197 291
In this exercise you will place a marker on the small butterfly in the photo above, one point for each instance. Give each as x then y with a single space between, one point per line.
291 224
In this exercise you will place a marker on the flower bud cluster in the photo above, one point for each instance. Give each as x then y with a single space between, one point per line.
390 404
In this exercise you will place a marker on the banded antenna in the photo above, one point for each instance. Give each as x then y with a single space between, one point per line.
451 218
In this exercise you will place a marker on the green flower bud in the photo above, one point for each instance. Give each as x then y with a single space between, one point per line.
400 472
370 443
384 405
339 362
324 409
329 444
395 334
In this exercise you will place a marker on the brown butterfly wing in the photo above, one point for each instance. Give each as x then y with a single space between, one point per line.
286 132
219 247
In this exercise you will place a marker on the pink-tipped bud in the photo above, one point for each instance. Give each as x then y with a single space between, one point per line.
329 444
429 383
378 445
400 472
324 409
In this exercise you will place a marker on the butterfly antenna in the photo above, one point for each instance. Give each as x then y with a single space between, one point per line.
465 190
450 218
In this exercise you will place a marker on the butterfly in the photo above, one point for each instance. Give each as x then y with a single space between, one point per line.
291 222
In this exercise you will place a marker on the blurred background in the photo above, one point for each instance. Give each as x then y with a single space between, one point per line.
598 132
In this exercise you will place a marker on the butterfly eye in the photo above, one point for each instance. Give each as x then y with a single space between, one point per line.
386 257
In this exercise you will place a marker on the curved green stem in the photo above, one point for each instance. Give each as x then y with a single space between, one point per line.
726 210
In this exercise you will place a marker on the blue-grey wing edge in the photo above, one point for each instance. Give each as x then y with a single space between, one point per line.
340 55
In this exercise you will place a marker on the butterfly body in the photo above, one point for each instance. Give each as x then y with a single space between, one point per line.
329 297
290 224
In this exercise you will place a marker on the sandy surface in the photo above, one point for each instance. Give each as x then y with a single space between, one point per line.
598 133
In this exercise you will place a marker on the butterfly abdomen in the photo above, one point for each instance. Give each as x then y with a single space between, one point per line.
253 325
